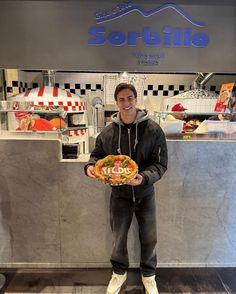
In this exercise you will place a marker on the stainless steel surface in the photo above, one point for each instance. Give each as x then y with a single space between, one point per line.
198 79
206 79
198 92
215 137
49 78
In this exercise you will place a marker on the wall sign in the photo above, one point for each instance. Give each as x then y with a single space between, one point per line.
108 36
166 36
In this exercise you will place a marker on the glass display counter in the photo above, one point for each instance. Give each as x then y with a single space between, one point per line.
25 120
197 126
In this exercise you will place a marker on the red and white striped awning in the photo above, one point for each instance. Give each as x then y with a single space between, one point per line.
76 133
52 96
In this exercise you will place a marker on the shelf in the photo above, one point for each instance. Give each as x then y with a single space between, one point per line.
32 111
75 111
43 111
76 128
189 136
192 113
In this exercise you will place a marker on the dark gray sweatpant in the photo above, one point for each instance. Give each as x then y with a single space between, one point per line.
121 214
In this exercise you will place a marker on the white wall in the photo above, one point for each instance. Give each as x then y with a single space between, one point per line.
157 88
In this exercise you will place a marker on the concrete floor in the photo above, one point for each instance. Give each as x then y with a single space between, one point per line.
88 281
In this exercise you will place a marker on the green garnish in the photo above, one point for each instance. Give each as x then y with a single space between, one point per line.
125 163
109 163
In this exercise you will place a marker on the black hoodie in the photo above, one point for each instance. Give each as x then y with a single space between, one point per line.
144 141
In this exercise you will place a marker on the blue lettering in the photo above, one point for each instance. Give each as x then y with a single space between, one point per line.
98 15
177 37
107 13
117 38
169 37
187 37
150 39
200 40
98 38
121 7
148 62
132 38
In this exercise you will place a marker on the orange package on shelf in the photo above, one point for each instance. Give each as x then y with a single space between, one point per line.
224 97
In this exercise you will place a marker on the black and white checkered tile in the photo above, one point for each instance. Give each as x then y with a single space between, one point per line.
79 89
83 89
164 90
172 90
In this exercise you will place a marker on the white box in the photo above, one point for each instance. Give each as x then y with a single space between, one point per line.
232 127
217 126
172 127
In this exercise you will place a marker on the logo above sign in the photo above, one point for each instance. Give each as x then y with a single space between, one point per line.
127 7
168 37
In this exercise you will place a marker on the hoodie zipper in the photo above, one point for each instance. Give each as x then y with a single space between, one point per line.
132 187
129 142
159 154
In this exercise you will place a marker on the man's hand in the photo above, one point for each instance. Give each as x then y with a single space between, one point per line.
90 171
136 181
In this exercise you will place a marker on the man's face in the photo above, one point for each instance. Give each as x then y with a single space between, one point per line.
180 116
126 102
225 116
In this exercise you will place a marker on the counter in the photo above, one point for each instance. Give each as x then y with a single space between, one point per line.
210 137
52 215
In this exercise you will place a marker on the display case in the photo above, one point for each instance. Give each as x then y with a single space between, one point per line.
198 126
25 120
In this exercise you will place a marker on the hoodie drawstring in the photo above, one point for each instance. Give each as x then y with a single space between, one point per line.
141 116
119 140
136 136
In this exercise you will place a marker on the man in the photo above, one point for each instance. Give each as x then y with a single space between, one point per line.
132 133
178 113
224 116
27 123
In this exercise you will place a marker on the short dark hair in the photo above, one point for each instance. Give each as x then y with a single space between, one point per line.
123 86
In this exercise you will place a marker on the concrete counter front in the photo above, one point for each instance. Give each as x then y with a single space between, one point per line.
52 215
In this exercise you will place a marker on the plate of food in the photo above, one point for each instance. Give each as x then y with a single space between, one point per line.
116 169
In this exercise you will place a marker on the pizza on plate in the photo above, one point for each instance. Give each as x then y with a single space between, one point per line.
116 169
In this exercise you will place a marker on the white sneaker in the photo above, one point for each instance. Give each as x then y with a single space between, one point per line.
116 283
150 285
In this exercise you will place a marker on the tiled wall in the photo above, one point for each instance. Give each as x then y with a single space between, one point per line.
77 83
161 87
157 87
